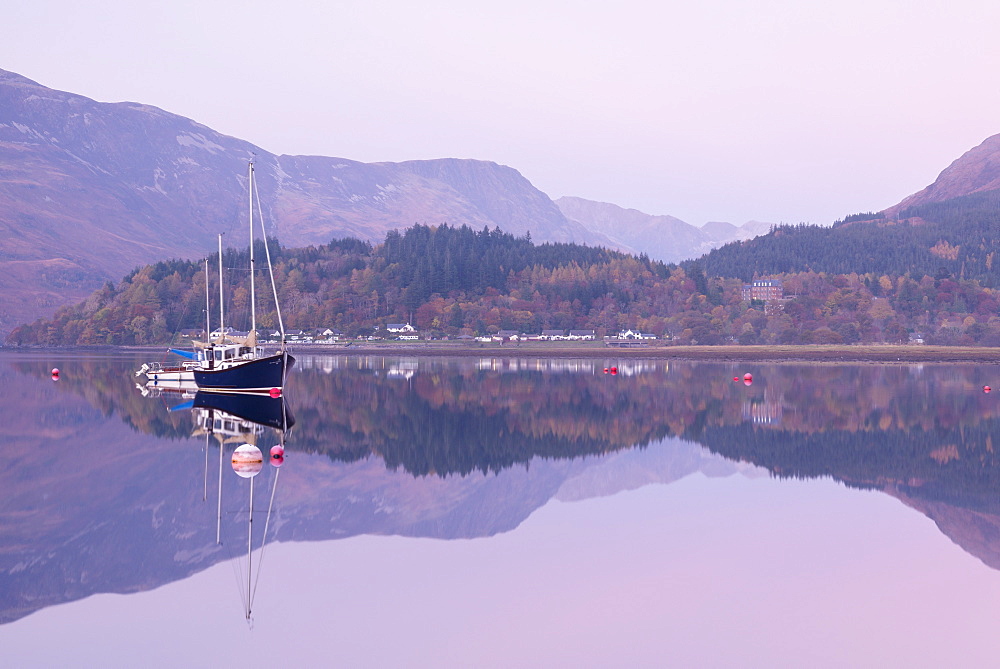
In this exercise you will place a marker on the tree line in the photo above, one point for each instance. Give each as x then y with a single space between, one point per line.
450 281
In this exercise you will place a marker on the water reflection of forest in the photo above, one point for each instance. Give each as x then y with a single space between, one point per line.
930 426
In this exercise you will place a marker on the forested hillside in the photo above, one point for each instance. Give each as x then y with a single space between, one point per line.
454 281
957 237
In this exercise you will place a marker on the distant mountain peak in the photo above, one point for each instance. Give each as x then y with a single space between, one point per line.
662 237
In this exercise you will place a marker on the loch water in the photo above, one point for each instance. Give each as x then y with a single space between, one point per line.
502 512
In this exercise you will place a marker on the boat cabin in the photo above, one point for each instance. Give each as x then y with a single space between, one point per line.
220 354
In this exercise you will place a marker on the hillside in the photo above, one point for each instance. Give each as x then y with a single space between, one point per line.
90 190
951 238
977 170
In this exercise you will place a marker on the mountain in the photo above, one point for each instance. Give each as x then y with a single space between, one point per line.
946 230
663 238
977 170
90 190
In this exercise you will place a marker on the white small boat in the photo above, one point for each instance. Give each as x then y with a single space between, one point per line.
158 372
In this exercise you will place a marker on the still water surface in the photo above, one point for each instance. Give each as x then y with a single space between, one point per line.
440 512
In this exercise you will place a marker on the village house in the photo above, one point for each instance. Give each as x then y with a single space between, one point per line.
581 335
397 328
329 335
552 335
635 334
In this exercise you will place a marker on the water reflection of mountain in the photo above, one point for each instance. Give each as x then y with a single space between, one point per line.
106 486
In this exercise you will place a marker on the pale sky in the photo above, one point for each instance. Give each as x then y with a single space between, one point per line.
772 110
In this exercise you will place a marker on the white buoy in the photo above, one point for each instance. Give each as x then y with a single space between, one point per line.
247 461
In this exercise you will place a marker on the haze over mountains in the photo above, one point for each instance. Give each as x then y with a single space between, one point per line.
660 237
89 191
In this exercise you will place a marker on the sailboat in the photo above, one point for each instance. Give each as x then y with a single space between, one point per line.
242 366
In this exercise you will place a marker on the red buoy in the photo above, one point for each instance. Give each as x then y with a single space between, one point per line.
277 455
605 370
275 392
748 377
986 389
55 371
736 378
614 370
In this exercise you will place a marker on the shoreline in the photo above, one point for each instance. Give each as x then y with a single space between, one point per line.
801 353
903 354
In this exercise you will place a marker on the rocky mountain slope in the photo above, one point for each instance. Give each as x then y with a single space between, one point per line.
977 170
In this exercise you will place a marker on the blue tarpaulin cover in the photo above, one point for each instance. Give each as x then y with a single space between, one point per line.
190 355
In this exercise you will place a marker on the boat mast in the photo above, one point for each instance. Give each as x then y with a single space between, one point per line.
253 302
222 331
270 272
208 322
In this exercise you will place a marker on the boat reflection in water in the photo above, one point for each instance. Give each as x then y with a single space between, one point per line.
240 421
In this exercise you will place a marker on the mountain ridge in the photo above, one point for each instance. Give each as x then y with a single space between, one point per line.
976 170
661 237
90 190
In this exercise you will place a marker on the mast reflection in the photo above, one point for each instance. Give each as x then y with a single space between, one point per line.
240 420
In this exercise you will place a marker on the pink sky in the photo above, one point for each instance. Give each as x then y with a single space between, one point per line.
779 110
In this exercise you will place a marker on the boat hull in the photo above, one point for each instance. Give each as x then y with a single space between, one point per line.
252 376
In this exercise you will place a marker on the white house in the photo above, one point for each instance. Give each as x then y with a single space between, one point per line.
579 335
399 327
635 334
